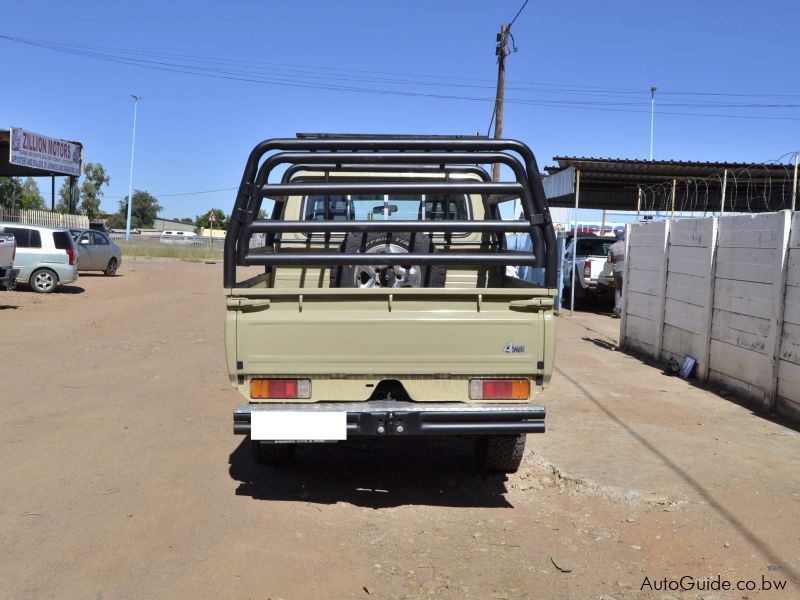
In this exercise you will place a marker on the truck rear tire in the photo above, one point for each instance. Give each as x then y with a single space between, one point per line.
500 453
401 275
272 454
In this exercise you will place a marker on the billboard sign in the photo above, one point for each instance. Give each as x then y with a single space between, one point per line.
37 151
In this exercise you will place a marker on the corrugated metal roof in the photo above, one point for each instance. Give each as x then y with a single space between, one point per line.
639 171
613 183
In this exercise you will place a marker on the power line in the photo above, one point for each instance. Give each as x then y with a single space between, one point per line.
519 12
293 68
491 121
299 82
179 193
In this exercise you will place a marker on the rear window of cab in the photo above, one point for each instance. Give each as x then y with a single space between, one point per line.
436 207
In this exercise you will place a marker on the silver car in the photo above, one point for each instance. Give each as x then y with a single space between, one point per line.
46 256
97 251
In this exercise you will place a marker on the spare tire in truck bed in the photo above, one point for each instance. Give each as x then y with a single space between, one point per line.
399 275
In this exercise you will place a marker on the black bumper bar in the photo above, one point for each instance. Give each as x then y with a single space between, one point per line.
383 418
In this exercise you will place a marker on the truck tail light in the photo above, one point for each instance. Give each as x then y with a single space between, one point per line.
499 389
587 269
72 257
273 389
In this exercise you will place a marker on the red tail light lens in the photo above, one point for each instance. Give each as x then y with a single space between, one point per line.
499 389
587 269
270 389
73 259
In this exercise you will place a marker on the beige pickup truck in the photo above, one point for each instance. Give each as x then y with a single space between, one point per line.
380 305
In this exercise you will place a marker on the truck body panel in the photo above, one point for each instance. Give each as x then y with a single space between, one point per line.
411 335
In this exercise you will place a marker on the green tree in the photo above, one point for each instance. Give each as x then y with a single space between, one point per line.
222 219
91 190
144 210
186 220
116 221
10 192
31 198
62 205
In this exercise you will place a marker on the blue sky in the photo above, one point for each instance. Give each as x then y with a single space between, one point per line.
194 132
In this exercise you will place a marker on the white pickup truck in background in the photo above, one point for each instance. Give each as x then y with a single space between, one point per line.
8 251
593 273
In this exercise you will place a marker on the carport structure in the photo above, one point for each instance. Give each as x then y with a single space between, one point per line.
27 154
666 186
670 185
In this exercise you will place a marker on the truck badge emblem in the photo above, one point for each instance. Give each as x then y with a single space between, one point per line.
512 349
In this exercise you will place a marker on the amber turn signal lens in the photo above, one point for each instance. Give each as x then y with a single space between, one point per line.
499 389
273 389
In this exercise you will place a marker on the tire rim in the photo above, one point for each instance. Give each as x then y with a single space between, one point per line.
396 276
112 266
43 281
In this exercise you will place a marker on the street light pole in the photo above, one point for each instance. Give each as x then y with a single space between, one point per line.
652 114
130 182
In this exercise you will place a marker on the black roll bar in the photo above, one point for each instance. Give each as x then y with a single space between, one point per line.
387 226
386 260
402 158
339 168
369 150
278 191
405 158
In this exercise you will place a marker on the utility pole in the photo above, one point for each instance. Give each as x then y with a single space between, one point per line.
652 115
502 52
130 181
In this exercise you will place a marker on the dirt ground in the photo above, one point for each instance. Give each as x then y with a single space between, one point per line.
120 476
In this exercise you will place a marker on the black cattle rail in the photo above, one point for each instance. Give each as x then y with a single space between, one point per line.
282 191
370 152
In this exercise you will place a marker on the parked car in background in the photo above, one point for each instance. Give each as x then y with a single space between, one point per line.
8 250
178 237
593 274
97 252
98 225
46 256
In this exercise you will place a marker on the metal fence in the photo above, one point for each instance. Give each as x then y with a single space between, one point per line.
42 217
155 240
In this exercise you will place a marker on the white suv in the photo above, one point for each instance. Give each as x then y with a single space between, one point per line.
178 237
46 256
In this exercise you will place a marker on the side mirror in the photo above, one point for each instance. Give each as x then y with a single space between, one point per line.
85 242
